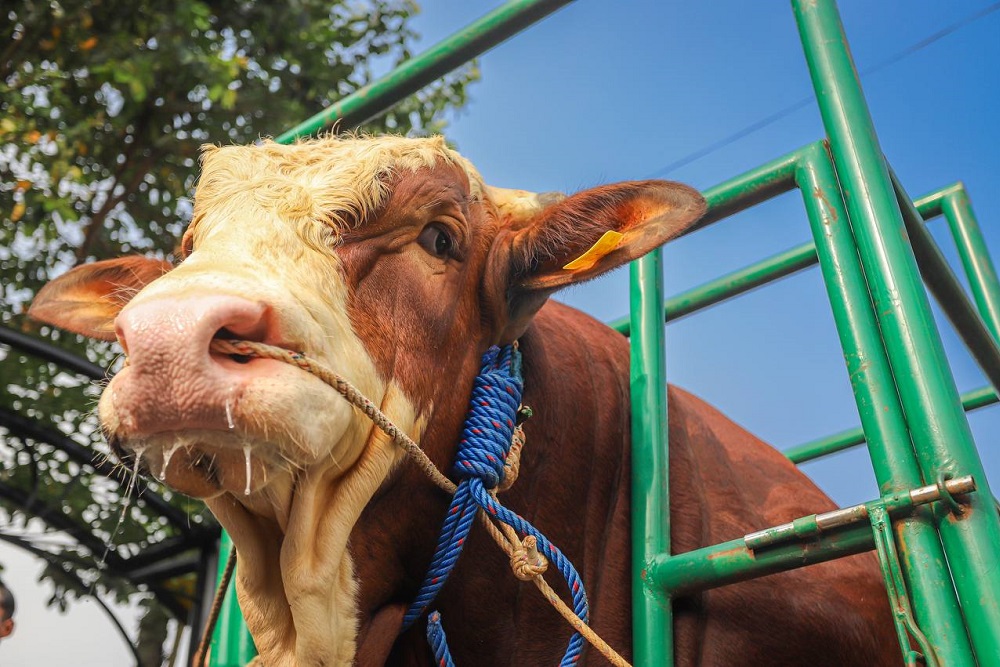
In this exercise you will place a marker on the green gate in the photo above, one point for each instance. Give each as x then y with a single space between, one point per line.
940 559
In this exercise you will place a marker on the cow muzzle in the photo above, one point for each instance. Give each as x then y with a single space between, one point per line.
201 421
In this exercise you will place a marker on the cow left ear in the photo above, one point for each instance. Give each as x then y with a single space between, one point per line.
549 243
86 299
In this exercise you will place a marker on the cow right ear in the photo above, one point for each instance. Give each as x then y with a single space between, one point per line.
86 299
547 242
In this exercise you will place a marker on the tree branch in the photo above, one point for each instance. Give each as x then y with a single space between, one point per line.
97 221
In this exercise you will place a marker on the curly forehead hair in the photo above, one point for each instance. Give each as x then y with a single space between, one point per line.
6 601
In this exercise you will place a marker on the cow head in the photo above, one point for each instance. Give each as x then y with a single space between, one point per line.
389 261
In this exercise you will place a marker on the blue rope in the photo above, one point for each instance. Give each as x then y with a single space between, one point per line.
482 451
439 643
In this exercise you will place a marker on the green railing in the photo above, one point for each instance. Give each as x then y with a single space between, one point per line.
910 409
875 256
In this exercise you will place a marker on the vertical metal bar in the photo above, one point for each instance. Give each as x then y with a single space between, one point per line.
896 589
412 75
940 431
232 645
652 620
892 455
947 290
975 256
204 592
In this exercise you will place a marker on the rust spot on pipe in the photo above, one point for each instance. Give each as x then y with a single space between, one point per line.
821 196
730 553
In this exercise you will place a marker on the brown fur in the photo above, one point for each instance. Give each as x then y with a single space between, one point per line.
574 486
574 483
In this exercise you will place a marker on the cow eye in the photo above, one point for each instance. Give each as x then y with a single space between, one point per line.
436 240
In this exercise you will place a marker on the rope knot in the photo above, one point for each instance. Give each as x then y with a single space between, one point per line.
526 562
489 426
512 464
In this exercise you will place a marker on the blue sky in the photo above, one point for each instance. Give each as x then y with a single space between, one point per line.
605 91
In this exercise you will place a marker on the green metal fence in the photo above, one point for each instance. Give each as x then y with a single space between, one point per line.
941 561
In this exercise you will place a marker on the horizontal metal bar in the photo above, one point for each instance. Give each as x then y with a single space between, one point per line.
750 188
170 547
732 284
49 352
838 442
739 193
732 562
471 41
930 205
813 525
166 568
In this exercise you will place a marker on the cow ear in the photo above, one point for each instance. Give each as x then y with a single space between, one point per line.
549 243
86 299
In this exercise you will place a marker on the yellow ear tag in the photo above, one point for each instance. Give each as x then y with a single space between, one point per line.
608 242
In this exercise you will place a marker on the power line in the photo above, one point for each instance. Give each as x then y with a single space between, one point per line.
805 101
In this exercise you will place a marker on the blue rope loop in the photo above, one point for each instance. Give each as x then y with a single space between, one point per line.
482 451
489 425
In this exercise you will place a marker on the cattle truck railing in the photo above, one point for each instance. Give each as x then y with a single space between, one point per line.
912 415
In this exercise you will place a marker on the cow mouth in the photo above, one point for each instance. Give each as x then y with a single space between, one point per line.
227 422
201 464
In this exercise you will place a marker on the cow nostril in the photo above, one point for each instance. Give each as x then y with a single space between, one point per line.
225 334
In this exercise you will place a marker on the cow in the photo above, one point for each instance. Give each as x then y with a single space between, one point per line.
390 261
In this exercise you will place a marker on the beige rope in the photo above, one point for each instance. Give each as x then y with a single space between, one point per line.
526 563
347 390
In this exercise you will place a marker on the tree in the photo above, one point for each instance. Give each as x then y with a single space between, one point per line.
103 108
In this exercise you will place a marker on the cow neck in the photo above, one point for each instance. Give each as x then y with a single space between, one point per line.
301 599
480 464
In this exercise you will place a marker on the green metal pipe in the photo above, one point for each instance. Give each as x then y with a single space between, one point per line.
749 189
807 540
652 619
732 284
815 525
930 204
979 268
738 194
941 434
868 368
947 290
417 72
838 442
232 645
741 281
732 562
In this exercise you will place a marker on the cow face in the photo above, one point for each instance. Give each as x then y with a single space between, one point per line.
387 260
